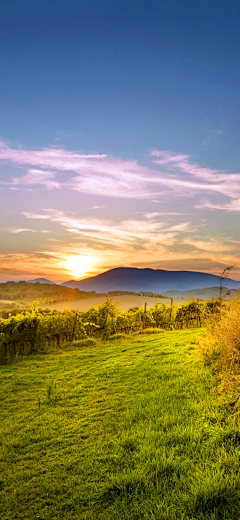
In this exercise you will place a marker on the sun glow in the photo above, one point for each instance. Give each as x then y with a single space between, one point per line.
79 265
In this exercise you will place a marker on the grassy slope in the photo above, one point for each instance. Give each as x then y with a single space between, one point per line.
125 431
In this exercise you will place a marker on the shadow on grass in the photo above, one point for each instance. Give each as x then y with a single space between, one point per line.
126 490
219 503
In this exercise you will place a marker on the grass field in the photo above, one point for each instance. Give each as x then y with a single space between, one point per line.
127 430
125 302
4 302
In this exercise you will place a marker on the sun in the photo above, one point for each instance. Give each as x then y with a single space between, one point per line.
79 265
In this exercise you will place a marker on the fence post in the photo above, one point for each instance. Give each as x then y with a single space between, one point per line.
74 325
144 315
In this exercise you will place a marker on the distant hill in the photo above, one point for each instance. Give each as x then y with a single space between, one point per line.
43 292
40 280
148 280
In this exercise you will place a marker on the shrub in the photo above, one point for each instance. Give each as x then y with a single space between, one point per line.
118 335
150 330
220 345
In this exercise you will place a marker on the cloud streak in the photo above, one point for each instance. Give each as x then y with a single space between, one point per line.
149 237
230 207
15 231
167 175
197 178
132 233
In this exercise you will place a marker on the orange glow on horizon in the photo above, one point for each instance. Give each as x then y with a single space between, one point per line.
79 265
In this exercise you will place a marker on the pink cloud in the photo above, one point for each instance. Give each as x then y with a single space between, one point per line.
97 207
34 176
167 176
233 206
208 179
183 164
119 234
97 174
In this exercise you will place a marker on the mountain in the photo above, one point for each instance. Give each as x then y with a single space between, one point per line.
40 280
148 280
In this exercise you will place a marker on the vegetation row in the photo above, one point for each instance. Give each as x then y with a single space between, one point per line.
38 330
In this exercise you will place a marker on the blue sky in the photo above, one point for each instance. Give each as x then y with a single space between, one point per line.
119 136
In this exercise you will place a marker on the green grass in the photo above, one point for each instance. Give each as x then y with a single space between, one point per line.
127 430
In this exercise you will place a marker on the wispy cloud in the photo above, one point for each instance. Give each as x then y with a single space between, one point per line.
167 175
150 238
192 177
97 207
15 231
126 233
183 163
97 174
154 214
211 141
233 206
34 177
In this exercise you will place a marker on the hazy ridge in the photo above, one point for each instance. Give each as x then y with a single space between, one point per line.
149 280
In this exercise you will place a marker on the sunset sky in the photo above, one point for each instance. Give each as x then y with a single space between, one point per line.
120 136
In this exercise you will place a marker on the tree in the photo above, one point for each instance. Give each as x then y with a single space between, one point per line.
223 277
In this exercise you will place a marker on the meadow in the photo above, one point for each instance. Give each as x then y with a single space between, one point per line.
125 429
122 302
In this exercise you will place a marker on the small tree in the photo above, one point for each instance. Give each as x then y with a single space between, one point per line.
223 277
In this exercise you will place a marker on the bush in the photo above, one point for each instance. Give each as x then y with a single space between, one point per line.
150 330
119 335
220 345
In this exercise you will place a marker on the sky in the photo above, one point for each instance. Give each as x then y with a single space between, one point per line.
119 136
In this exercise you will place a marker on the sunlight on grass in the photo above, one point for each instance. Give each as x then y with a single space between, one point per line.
127 429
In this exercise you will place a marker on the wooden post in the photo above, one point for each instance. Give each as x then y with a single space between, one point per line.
74 325
145 310
198 318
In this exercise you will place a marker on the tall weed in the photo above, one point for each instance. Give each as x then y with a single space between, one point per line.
220 346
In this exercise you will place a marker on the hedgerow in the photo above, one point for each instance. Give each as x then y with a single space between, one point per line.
37 331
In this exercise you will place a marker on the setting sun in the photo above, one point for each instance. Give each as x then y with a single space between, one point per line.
79 265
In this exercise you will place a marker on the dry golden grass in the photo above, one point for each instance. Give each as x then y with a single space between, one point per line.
220 347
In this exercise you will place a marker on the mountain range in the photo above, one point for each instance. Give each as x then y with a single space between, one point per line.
149 280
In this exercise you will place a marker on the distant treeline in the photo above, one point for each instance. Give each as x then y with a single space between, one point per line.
147 293
43 292
203 294
36 331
